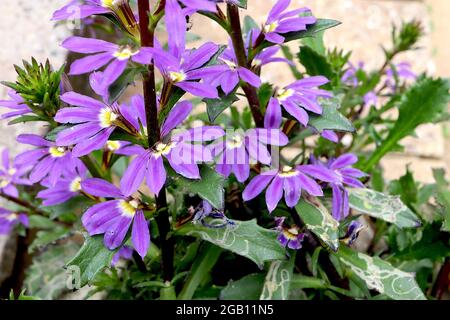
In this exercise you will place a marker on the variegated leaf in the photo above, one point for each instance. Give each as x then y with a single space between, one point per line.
318 219
381 206
381 276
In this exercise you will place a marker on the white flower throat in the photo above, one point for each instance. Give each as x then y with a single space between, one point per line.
235 142
57 152
128 208
107 117
287 172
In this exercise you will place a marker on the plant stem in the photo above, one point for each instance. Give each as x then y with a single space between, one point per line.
151 112
92 166
23 203
241 56
200 269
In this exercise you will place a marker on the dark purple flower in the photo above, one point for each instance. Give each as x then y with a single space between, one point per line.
290 180
347 176
12 175
67 187
299 97
238 149
103 53
9 219
352 233
280 22
177 148
114 217
289 236
16 104
231 73
47 160
205 211
124 253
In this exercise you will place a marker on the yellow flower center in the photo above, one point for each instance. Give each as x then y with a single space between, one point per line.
113 145
235 142
283 94
12 171
57 152
4 182
128 208
125 53
163 148
287 172
271 27
110 3
230 63
291 233
177 76
107 117
11 217
75 185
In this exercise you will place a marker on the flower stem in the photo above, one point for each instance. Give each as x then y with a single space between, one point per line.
239 49
23 203
151 112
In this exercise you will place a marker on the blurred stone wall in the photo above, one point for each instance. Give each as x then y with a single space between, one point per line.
26 30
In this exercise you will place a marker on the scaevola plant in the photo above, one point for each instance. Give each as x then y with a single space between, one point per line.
155 183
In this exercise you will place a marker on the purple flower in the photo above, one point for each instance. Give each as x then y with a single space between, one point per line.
352 233
290 180
120 9
370 99
177 148
114 217
12 175
289 236
94 122
205 211
299 97
66 188
268 56
183 68
239 149
231 73
77 9
346 176
47 160
350 76
16 104
398 72
9 219
125 253
330 135
203 5
103 53
280 22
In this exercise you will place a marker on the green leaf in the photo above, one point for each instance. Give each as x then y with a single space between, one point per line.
319 26
249 24
40 222
123 82
319 221
381 276
210 187
46 278
44 237
51 136
24 119
265 91
443 196
316 43
278 280
92 258
246 288
245 238
331 118
315 64
381 206
216 106
424 102
242 4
